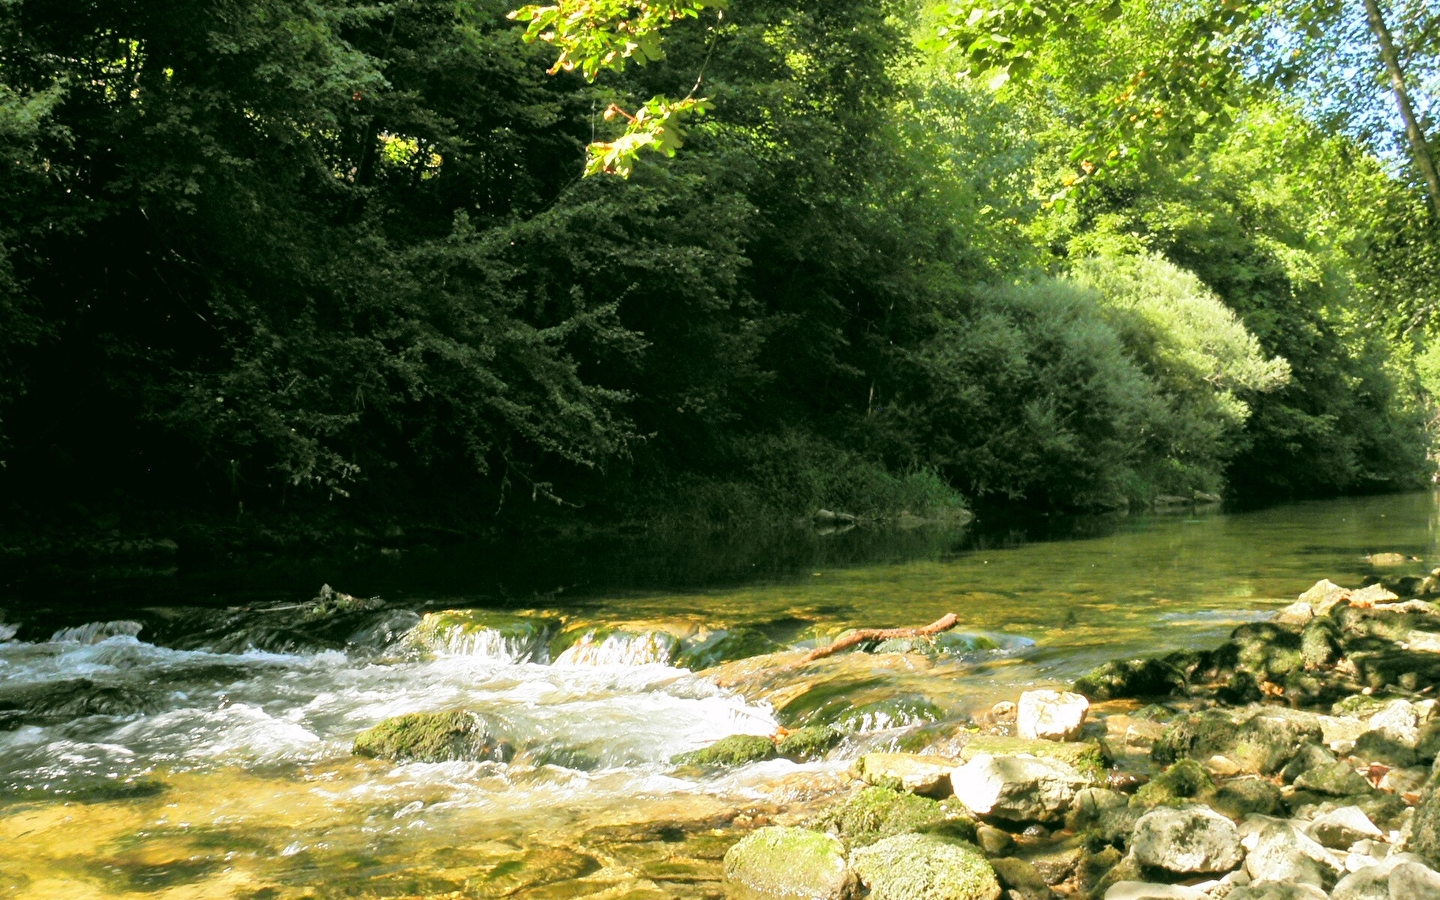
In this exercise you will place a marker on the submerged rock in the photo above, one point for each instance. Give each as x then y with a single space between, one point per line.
433 737
483 633
736 750
1192 840
924 867
1051 715
790 864
724 646
1017 788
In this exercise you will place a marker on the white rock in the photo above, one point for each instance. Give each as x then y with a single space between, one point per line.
1187 841
1297 613
1051 715
1283 852
1340 828
1324 596
1017 788
1367 883
1370 596
1142 890
1399 722
1414 881
1405 781
1341 728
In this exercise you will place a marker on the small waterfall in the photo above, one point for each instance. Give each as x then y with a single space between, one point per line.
95 632
620 649
449 634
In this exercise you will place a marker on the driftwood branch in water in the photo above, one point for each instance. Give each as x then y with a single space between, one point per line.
859 636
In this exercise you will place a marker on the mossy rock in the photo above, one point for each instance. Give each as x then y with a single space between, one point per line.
1241 797
1337 779
892 712
946 644
1132 678
603 643
1267 650
725 646
925 867
1184 782
790 864
479 631
1260 742
736 750
1320 643
433 737
1375 746
810 742
824 702
874 813
1086 758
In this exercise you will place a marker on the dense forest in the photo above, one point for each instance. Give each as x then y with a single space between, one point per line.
297 266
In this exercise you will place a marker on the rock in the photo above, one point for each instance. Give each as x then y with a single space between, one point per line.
874 813
1425 828
1378 747
790 864
606 646
1144 890
1090 806
1247 796
1309 758
1320 643
810 742
1058 861
1297 613
483 633
1051 715
1368 883
924 867
1017 788
1412 881
1335 729
433 737
1370 596
1283 853
1399 721
1184 780
1427 747
992 840
1322 597
1023 879
927 775
1187 841
1086 758
1342 827
1337 779
1274 890
1260 741
1387 559
736 750
1123 679
1405 781
724 646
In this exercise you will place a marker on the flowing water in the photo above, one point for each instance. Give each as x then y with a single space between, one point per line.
174 746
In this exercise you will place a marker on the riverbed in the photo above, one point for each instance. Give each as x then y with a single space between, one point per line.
145 756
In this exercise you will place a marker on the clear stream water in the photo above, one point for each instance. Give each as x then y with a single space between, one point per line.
132 768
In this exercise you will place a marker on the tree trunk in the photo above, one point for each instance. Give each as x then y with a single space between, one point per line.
1418 145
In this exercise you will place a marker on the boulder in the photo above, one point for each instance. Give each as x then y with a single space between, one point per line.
1185 780
810 742
1051 715
433 737
1342 827
1322 597
1021 878
1276 890
714 648
1378 746
736 750
1337 779
1371 595
924 867
1144 890
1188 841
1130 678
1017 788
1425 829
1399 721
1413 881
1259 741
1281 852
927 775
1086 758
1089 807
1367 883
873 813
1250 795
790 864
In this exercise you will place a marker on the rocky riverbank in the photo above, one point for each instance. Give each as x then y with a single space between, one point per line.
1293 762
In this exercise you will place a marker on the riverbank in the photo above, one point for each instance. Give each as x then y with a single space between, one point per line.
1292 761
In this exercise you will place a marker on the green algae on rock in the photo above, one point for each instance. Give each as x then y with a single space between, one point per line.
924 867
809 742
481 632
724 646
1087 758
736 750
873 813
1130 678
432 737
1183 782
790 864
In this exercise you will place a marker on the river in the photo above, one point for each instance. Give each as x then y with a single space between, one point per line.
159 756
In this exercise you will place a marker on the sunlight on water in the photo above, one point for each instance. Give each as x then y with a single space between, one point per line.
132 769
